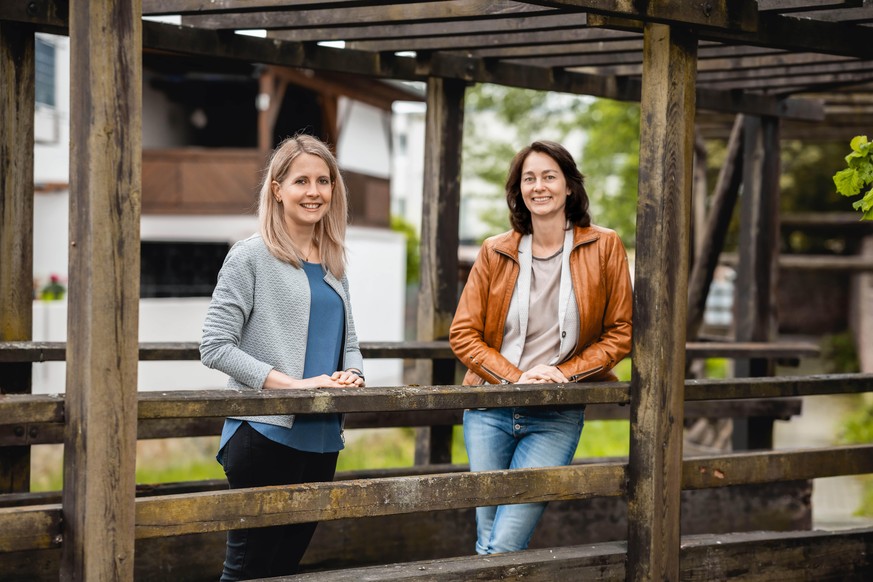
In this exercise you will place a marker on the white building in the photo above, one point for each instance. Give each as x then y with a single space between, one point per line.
185 231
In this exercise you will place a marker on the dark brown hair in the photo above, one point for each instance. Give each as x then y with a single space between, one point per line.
576 208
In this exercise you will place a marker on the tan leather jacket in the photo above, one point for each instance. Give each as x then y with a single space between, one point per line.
602 286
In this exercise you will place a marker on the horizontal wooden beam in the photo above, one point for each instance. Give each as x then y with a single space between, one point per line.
769 466
42 433
455 29
23 409
384 14
224 44
854 263
740 15
789 6
840 555
429 350
38 527
160 516
830 221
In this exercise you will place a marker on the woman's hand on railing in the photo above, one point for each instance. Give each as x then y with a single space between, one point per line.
349 378
276 380
541 374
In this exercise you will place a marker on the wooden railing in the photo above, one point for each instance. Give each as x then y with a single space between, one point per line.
34 521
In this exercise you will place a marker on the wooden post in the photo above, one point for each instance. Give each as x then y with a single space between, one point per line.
724 200
663 225
17 66
438 295
699 194
757 272
102 323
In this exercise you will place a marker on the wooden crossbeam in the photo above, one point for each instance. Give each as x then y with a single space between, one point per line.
457 29
52 432
384 14
434 350
38 527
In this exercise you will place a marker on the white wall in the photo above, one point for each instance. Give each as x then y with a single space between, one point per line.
364 143
407 161
52 125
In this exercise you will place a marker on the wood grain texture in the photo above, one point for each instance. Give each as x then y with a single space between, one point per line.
660 296
17 82
102 322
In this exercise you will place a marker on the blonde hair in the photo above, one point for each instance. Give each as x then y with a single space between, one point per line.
330 232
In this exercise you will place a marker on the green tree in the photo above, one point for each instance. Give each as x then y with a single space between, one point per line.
611 163
413 254
604 135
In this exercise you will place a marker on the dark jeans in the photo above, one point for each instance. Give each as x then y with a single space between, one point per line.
252 460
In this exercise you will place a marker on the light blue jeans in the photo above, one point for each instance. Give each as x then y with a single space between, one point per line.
514 438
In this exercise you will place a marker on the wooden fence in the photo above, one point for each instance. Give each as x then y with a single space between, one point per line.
32 524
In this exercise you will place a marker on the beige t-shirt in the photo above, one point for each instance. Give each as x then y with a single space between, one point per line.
543 340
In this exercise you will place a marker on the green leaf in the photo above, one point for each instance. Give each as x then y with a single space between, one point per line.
859 144
865 204
847 182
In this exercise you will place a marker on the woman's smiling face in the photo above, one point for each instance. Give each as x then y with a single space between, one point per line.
305 193
543 186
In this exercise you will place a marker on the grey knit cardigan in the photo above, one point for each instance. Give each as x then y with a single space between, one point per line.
258 320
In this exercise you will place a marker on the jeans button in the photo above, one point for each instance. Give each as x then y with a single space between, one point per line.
517 427
517 416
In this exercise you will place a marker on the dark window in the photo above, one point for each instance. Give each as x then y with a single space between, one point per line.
180 269
45 73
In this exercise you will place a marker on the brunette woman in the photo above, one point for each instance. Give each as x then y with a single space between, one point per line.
548 302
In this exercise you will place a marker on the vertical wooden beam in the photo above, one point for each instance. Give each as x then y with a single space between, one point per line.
699 194
102 323
438 296
270 96
17 66
724 200
661 279
330 119
757 272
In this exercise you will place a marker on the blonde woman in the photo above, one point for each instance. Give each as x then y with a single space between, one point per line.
280 319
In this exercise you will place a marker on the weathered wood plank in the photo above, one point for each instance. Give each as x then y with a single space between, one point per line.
797 556
36 527
189 513
660 296
829 221
721 210
771 466
102 321
187 405
858 264
456 29
788 6
17 81
435 350
375 15
40 433
167 7
755 313
199 513
800 556
438 293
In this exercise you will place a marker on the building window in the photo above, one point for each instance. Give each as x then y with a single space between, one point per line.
45 73
180 269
